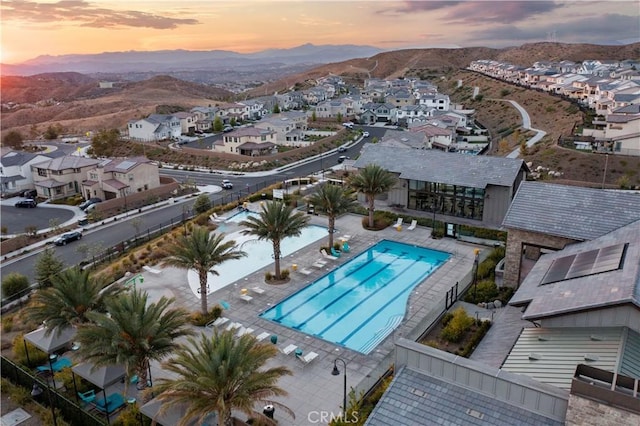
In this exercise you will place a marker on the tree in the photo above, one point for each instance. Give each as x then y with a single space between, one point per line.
47 267
72 295
339 117
372 180
276 221
13 139
217 124
314 117
333 200
13 284
202 203
221 374
51 133
105 142
133 333
233 121
276 109
202 251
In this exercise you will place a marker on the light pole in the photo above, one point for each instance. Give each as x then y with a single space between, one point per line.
475 274
336 372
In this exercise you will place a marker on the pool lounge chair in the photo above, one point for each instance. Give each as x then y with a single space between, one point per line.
87 397
114 402
306 359
345 237
260 337
56 366
233 326
327 255
215 218
305 271
217 322
413 225
320 263
289 349
257 290
242 331
398 222
335 253
246 297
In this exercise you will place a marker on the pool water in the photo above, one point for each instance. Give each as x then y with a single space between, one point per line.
259 255
360 303
239 217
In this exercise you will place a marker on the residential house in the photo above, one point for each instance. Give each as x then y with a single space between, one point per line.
376 113
331 109
205 117
117 178
437 101
438 137
402 139
15 169
61 177
256 108
155 127
251 141
408 114
188 121
229 112
621 134
463 188
400 97
288 127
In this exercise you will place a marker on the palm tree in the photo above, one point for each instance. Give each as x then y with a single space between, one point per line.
71 297
276 222
202 251
220 374
333 200
372 180
132 333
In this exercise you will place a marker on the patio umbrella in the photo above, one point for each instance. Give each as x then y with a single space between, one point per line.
101 377
173 415
49 342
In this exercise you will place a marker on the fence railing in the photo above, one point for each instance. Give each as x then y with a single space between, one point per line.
43 394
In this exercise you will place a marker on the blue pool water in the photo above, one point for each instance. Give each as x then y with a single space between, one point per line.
360 303
239 217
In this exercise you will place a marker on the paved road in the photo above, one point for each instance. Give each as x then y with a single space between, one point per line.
116 232
526 124
17 219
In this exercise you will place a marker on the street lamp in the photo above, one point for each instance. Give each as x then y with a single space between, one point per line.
475 274
336 372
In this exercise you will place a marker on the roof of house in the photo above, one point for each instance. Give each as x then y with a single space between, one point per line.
124 164
250 131
551 355
255 145
414 397
589 285
629 109
570 211
67 162
16 158
475 171
49 183
116 184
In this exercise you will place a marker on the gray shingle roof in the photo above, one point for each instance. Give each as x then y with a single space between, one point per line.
476 171
418 399
570 211
616 287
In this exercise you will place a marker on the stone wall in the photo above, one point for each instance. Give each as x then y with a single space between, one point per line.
516 240
586 412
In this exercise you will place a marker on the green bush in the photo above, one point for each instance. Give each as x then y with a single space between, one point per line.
7 323
458 326
202 204
484 291
284 274
66 377
13 284
36 356
446 318
477 337
131 416
200 320
486 269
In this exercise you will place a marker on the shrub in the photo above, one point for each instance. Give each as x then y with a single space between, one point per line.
198 319
284 274
268 276
202 204
131 416
13 284
458 326
477 337
7 323
36 356
487 268
484 291
446 318
66 376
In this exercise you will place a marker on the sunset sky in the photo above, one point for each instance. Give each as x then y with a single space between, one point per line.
34 28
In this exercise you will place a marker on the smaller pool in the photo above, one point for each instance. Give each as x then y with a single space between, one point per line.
241 216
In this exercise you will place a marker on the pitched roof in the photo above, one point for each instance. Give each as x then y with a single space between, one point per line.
414 397
588 291
67 162
16 158
475 171
570 211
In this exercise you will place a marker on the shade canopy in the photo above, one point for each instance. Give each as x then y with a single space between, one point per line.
172 415
99 376
57 339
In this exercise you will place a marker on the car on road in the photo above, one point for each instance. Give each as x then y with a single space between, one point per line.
227 129
28 203
226 184
342 158
348 125
365 134
342 149
90 201
67 238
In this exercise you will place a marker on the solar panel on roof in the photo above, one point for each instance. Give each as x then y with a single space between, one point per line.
586 263
126 164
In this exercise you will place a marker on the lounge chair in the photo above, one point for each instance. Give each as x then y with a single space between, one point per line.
246 297
87 397
398 222
217 322
335 252
260 337
113 402
345 247
233 326
242 331
320 264
289 349
56 366
215 218
327 255
306 359
345 237
305 271
258 290
413 225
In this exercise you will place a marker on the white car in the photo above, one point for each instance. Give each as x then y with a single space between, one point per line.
365 134
347 124
226 184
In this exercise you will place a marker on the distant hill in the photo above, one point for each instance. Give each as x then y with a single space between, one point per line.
165 61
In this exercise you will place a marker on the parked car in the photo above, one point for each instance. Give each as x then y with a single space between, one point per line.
342 149
67 238
94 200
28 203
226 184
342 158
30 193
348 124
365 134
227 129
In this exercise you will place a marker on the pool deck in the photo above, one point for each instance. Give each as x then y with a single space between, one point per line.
312 388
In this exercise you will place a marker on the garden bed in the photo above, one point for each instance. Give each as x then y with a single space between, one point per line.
468 338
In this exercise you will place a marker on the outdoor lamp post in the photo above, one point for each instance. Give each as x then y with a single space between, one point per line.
475 274
336 372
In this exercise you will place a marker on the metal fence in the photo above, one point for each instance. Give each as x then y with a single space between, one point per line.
43 394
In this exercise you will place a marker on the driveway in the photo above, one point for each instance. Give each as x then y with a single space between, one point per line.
17 219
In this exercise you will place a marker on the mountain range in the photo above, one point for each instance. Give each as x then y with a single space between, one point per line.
166 61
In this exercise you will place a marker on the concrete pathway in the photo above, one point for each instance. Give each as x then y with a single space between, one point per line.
526 124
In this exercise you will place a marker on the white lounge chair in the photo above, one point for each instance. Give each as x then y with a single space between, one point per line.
305 271
215 218
345 237
233 325
306 359
398 222
413 225
327 255
260 337
258 290
242 331
217 322
289 349
246 297
320 264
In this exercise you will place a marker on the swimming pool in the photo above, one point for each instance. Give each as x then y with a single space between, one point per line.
360 303
243 215
259 255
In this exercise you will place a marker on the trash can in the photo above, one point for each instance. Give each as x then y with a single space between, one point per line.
268 411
